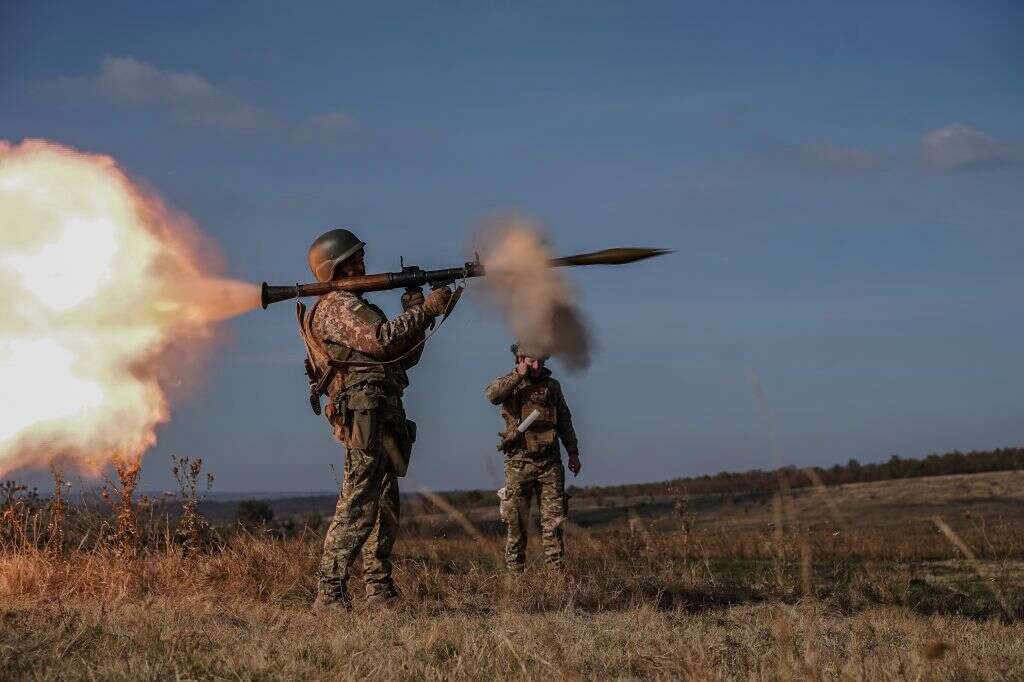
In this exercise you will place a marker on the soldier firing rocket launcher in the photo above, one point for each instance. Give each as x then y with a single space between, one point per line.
412 276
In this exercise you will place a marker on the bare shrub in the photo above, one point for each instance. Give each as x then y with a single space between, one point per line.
193 530
55 529
126 536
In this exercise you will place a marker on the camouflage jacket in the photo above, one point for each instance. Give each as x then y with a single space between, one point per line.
353 330
518 397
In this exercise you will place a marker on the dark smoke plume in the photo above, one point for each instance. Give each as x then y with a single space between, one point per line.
535 300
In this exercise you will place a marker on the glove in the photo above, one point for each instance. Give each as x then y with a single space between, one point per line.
437 301
412 297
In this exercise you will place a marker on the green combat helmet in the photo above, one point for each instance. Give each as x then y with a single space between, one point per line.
330 250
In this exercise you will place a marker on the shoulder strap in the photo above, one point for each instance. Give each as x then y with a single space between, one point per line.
315 350
319 365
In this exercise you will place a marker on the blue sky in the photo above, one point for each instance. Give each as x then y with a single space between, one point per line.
841 183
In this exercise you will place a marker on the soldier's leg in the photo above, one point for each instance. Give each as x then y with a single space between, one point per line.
377 550
356 512
553 511
519 484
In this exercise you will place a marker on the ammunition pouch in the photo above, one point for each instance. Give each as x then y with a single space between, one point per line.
532 442
540 441
508 439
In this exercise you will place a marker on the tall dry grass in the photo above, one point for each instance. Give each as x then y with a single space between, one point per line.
646 599
242 612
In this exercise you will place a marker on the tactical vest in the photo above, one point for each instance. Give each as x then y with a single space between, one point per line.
365 385
542 435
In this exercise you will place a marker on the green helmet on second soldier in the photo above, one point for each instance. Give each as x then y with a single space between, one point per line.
330 250
521 349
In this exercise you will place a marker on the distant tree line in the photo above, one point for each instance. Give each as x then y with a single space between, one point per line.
758 480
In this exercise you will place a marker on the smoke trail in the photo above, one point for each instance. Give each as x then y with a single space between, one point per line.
534 299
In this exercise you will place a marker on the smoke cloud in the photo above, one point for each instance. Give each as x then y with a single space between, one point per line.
534 299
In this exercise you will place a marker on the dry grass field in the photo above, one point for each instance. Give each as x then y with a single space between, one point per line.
913 579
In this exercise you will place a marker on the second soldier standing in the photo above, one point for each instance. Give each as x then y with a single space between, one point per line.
533 462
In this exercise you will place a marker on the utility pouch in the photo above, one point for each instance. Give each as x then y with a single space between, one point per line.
397 443
365 397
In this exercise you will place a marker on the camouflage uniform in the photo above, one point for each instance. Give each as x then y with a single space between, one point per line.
533 464
364 408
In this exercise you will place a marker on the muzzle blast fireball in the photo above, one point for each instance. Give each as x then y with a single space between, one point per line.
107 297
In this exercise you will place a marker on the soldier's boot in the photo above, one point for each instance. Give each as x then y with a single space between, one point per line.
382 594
384 601
331 595
515 567
328 601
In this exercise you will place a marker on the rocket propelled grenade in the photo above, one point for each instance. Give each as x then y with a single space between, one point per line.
619 256
412 276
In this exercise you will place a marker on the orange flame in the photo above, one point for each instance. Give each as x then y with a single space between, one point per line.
97 279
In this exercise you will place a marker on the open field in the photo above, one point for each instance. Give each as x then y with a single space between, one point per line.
858 582
991 504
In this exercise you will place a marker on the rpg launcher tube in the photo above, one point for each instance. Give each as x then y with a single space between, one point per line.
415 277
409 277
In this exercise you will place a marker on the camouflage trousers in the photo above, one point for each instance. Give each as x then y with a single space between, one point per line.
525 479
366 518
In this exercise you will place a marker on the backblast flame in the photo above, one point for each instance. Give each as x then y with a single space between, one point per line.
97 279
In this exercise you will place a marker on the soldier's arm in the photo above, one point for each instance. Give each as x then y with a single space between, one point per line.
566 432
501 388
350 322
414 357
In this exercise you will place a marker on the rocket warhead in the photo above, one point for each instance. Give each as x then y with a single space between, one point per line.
619 256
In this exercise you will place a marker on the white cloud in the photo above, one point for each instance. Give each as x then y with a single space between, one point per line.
958 146
190 99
